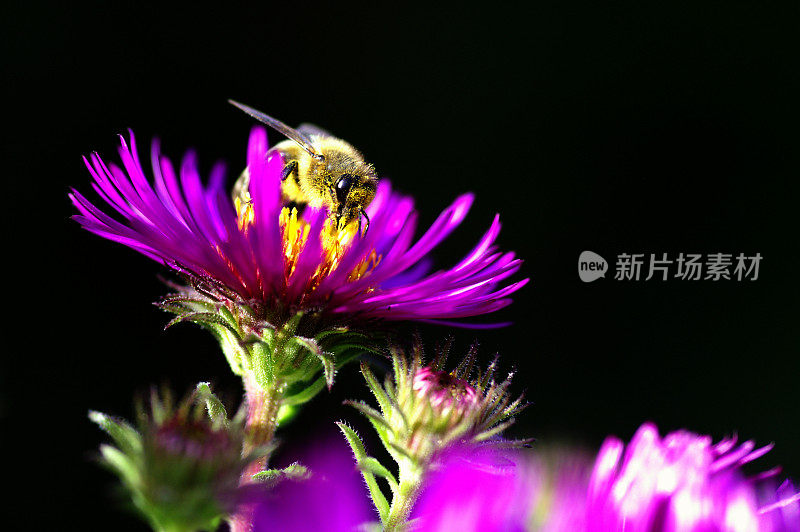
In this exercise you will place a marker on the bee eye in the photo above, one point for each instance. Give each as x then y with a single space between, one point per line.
343 187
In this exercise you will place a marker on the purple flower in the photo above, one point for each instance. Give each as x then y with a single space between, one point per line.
332 499
544 492
680 483
264 252
684 482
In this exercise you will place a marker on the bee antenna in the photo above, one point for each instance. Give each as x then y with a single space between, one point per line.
281 128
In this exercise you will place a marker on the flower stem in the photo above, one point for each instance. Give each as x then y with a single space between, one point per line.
407 492
262 411
262 420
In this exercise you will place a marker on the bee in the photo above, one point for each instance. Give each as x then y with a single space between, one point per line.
319 170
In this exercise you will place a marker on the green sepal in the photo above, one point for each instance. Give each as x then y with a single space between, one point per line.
121 463
372 526
399 452
214 407
377 390
376 468
335 330
261 364
182 304
286 413
377 420
306 394
326 358
123 434
294 471
494 431
232 347
360 453
202 318
499 445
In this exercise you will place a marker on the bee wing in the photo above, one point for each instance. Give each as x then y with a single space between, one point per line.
290 133
310 130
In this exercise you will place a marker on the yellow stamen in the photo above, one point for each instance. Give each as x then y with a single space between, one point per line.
244 211
365 266
334 244
295 235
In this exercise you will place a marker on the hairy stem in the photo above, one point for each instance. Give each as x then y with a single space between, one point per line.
262 420
262 411
407 493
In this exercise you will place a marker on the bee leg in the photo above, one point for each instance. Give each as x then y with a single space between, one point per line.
288 170
366 228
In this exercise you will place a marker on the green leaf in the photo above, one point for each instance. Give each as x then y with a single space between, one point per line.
494 431
400 451
377 390
352 349
486 378
376 468
464 368
121 464
335 330
306 394
400 367
378 498
227 314
262 364
442 352
457 432
291 324
295 471
371 414
509 444
203 318
286 413
123 434
347 354
184 303
216 410
232 348
328 363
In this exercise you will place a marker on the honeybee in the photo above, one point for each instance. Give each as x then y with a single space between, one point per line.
319 170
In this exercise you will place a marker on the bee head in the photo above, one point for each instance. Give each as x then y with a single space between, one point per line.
353 194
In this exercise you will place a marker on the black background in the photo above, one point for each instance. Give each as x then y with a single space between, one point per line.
615 128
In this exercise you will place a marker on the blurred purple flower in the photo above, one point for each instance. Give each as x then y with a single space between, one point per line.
538 493
684 482
266 253
680 483
333 499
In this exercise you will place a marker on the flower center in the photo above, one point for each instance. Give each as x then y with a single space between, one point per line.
244 211
295 232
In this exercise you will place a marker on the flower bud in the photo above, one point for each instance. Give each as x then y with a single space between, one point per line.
424 408
180 465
